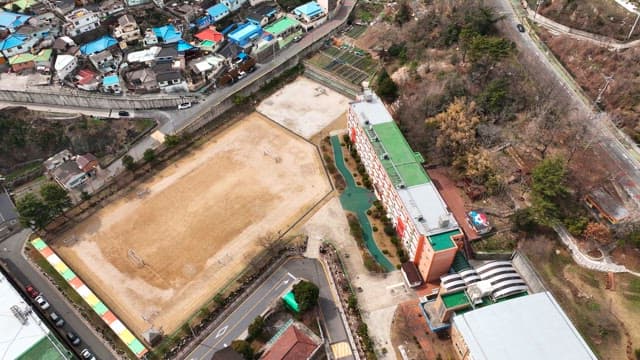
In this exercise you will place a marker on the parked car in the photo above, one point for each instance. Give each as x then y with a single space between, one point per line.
57 320
42 302
520 28
241 75
86 354
73 338
33 292
297 38
184 105
123 113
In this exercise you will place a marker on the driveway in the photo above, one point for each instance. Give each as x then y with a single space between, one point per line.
22 271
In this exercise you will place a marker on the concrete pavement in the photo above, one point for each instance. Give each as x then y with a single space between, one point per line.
266 295
21 270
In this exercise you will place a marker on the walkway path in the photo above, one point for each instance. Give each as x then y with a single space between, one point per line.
358 200
585 261
600 40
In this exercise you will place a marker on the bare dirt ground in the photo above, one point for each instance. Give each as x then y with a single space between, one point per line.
589 64
305 107
607 319
197 224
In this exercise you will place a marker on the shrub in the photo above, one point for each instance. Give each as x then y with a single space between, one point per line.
375 228
389 229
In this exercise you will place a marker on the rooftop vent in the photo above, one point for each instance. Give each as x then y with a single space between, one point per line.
421 218
443 221
385 156
401 186
367 122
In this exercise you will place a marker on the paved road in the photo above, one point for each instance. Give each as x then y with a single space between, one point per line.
268 293
24 273
622 151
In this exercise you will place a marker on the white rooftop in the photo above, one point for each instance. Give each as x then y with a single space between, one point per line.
531 327
144 55
369 107
427 209
17 338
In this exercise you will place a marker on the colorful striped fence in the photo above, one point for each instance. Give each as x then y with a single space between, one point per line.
90 298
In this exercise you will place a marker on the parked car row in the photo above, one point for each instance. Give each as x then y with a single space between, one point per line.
57 320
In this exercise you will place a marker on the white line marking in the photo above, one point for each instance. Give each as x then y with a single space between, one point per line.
222 331
293 277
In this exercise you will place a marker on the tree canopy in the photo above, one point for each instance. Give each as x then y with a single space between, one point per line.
457 128
548 187
128 162
33 211
256 328
243 348
386 88
306 294
55 197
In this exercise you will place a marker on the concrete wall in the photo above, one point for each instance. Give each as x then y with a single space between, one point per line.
528 273
91 100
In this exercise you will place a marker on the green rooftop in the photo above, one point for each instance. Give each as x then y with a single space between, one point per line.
443 240
45 349
281 26
453 300
403 165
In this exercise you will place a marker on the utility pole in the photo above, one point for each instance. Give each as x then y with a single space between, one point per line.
538 3
634 26
607 80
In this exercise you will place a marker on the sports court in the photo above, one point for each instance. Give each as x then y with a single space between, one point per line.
159 253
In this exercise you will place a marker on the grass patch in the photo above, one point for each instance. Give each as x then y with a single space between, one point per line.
144 124
36 166
495 243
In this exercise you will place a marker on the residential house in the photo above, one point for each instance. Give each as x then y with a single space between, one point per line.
87 80
65 45
111 7
310 15
230 50
284 27
209 39
167 34
218 12
142 80
111 84
167 75
183 46
167 54
80 21
88 163
69 171
98 45
233 5
244 34
68 175
15 44
20 6
27 61
63 7
9 219
206 68
105 61
137 2
147 56
297 342
608 206
150 38
127 29
64 66
40 29
57 160
186 12
330 6
263 14
11 21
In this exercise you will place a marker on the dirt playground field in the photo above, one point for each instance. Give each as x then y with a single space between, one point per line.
196 224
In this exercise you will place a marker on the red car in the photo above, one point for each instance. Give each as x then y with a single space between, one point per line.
33 292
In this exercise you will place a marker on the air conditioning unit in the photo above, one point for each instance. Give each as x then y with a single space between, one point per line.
443 221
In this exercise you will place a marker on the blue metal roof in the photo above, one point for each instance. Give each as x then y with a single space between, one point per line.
218 11
245 32
11 20
167 33
98 45
111 80
11 41
309 9
183 46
